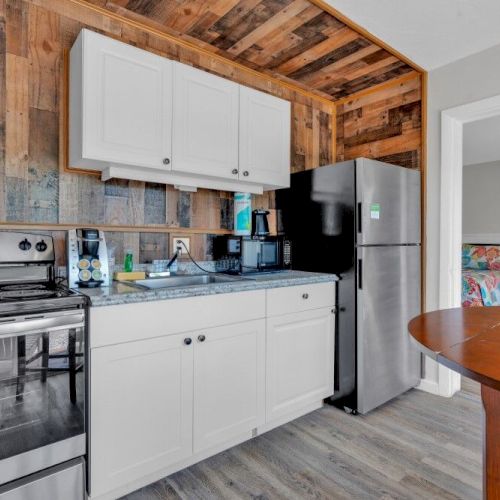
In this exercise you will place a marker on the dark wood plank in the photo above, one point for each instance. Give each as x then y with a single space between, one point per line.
491 403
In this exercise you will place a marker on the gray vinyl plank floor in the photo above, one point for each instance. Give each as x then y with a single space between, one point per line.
418 446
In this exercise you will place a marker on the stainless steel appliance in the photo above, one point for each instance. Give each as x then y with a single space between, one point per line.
360 219
272 253
87 258
265 254
42 375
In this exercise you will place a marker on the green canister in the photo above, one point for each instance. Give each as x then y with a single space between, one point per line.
242 214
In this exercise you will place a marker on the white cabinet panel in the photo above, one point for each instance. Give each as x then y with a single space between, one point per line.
299 361
291 299
264 138
124 96
141 409
229 382
205 129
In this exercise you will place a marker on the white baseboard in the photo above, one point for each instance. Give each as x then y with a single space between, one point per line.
447 384
430 386
484 238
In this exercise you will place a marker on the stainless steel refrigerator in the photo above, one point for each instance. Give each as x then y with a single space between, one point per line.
360 219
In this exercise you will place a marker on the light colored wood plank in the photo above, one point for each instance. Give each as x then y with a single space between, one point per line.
413 447
290 11
17 116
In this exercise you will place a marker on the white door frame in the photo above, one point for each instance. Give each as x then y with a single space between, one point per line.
450 268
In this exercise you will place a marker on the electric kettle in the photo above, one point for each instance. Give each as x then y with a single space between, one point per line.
260 225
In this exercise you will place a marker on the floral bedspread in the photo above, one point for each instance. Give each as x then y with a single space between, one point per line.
480 288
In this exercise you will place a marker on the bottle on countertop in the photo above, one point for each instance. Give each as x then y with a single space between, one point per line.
128 264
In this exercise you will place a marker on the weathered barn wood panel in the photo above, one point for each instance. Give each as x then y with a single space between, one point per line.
293 40
34 36
289 40
385 125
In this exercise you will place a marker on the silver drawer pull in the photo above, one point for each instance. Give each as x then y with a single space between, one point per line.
305 295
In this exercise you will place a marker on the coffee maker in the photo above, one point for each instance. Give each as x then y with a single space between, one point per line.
87 258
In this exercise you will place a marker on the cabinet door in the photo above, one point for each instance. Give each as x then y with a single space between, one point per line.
229 382
299 363
205 130
141 409
264 138
127 104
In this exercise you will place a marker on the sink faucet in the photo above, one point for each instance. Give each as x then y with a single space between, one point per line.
166 271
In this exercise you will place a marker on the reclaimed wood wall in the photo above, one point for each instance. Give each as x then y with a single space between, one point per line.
385 125
34 185
292 40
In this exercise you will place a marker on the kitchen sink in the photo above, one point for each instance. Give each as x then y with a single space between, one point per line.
182 281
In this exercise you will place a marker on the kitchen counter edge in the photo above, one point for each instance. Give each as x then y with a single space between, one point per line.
121 293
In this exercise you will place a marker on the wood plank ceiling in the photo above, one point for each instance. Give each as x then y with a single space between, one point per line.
292 40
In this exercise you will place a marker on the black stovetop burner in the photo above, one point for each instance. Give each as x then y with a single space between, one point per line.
33 291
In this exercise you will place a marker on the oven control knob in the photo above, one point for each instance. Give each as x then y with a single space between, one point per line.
25 245
41 246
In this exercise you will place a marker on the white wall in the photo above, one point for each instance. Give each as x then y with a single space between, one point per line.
467 80
481 202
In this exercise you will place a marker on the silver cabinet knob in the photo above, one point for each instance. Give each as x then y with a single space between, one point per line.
305 295
234 171
246 173
201 338
166 161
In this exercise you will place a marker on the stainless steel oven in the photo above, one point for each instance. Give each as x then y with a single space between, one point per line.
42 391
42 376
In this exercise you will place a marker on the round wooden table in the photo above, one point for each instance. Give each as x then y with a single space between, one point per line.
467 340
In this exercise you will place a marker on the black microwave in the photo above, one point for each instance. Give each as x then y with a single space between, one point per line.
272 253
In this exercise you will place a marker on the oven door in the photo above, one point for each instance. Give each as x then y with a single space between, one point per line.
42 391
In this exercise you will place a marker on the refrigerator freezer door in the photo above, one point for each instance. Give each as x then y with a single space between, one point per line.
388 296
388 203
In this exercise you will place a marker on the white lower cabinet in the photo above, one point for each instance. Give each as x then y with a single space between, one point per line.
161 400
300 359
229 382
141 409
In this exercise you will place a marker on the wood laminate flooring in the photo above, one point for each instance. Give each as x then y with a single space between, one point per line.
417 446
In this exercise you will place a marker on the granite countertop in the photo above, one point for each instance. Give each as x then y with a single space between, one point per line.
124 293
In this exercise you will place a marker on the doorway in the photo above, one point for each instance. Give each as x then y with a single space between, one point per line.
450 268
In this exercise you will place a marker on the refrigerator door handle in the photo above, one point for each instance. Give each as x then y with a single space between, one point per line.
360 216
360 274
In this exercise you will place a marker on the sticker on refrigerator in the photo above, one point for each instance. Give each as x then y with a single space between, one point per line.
375 211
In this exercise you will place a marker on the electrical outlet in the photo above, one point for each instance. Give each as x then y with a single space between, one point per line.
182 248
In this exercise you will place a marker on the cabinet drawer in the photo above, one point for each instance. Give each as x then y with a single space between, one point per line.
128 322
300 298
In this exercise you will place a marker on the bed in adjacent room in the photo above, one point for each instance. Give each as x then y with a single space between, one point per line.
480 275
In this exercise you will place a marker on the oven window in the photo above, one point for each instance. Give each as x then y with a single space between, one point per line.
42 389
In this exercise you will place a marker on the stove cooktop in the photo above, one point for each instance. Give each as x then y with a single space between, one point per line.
37 297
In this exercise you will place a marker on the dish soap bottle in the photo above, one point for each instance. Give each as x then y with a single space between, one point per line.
128 264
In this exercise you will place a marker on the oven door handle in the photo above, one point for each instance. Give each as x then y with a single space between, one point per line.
42 324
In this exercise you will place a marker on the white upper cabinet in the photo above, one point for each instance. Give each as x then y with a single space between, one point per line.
264 151
121 105
205 132
136 115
